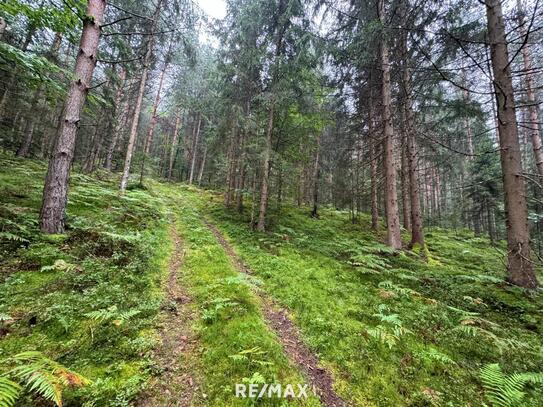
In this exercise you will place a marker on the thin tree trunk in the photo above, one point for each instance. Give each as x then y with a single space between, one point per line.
3 26
316 176
242 171
121 110
264 189
55 192
24 148
139 100
173 148
195 150
520 268
406 207
391 197
202 166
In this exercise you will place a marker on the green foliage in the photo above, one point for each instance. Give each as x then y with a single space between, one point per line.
95 290
396 330
9 392
506 390
112 314
40 375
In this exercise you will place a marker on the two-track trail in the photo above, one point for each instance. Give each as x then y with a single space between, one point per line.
177 385
278 320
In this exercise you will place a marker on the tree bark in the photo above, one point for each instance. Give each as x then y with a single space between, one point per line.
316 176
55 192
202 166
530 93
264 189
520 270
121 110
195 150
173 148
391 197
139 100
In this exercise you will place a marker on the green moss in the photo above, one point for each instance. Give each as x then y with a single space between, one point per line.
391 326
112 256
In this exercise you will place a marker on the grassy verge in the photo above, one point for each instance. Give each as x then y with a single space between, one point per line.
394 330
87 298
236 345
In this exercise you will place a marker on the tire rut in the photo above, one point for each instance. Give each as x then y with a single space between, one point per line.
176 385
278 320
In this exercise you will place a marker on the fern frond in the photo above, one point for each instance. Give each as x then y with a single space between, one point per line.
506 390
44 376
9 392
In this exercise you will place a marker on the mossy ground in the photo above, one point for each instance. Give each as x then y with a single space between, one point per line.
393 329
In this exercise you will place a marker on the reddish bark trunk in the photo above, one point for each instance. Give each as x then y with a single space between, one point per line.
55 192
520 268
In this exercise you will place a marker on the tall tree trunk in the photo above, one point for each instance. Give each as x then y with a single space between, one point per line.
153 121
264 188
195 149
316 176
266 163
373 163
55 192
121 110
242 171
173 148
530 92
139 101
406 207
520 268
391 196
24 148
202 166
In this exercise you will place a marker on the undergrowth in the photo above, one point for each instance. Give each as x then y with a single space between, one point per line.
87 298
394 329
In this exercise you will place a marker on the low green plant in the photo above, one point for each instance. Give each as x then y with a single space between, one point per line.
39 375
504 390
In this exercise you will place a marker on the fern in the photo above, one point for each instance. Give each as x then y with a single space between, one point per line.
434 355
40 375
506 390
112 314
12 237
60 265
9 392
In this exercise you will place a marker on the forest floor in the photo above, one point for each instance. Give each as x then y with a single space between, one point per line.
163 297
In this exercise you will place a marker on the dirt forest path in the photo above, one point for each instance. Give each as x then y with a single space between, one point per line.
176 386
279 322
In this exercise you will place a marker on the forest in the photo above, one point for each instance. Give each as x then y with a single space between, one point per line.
271 203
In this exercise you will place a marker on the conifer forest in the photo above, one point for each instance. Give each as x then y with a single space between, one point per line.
271 203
